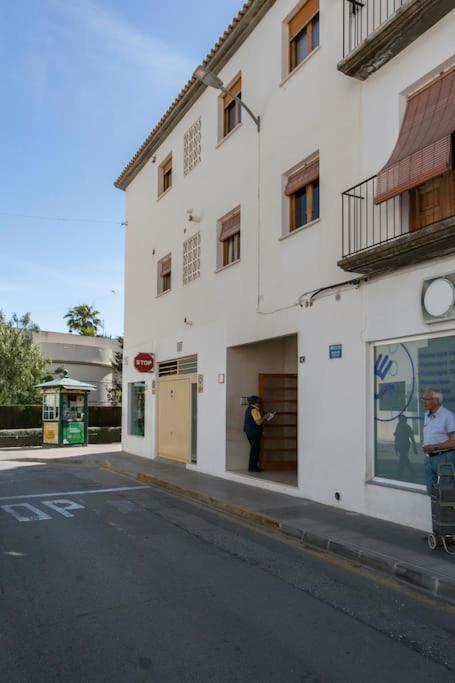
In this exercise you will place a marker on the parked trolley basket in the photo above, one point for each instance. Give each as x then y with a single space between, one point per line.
443 509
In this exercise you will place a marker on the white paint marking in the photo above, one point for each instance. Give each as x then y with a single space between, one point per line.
37 515
74 493
63 506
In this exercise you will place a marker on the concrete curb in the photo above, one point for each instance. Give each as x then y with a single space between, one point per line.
413 575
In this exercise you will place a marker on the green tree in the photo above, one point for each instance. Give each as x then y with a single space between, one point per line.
115 391
83 319
22 365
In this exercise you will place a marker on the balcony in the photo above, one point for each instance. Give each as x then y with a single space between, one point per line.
375 31
415 226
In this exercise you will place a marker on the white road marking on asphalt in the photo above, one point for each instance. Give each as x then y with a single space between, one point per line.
63 506
74 493
37 515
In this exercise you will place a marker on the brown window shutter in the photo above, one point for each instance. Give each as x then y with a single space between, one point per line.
166 266
167 166
235 89
307 173
424 146
230 226
303 16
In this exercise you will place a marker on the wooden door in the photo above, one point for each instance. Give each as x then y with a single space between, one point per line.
433 201
279 441
174 418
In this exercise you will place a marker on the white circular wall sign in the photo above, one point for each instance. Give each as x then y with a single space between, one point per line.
439 297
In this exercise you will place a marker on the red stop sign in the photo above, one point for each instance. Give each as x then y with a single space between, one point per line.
144 362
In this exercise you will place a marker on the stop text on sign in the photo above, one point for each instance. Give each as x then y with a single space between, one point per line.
144 362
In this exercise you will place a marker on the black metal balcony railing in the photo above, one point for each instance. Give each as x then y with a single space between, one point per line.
362 17
366 224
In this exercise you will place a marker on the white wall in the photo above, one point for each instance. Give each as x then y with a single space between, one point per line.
354 126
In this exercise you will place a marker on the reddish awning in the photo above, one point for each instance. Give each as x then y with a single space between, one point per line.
166 265
230 226
424 147
307 173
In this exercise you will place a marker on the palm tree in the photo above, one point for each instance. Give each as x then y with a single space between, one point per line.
83 319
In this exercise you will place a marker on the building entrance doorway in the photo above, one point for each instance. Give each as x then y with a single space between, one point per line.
267 368
177 410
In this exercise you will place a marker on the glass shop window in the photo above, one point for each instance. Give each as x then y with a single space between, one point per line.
50 406
137 408
402 372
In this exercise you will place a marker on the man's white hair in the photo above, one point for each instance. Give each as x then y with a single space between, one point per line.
438 395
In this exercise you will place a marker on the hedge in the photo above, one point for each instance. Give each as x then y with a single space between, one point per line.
29 417
23 438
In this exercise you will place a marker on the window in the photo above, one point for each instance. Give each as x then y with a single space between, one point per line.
50 406
229 239
232 111
192 147
432 201
165 176
402 371
164 274
137 408
303 33
302 188
191 258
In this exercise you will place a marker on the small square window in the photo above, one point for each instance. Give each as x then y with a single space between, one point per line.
229 239
231 107
164 274
303 33
165 176
302 190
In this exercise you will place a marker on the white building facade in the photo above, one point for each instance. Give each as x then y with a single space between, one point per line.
300 261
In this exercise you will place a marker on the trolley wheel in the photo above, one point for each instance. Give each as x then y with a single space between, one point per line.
433 541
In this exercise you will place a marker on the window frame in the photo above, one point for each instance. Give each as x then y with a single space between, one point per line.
131 393
292 42
164 282
165 176
229 249
228 104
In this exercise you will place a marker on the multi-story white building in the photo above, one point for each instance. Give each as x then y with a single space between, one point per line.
309 259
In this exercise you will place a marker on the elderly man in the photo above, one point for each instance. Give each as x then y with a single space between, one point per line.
438 435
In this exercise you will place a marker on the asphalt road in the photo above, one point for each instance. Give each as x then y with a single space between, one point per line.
103 583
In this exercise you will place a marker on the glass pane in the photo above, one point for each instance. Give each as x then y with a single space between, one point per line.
315 27
137 408
301 207
401 373
315 199
301 46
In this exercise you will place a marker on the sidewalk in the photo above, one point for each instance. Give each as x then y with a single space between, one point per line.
383 546
389 548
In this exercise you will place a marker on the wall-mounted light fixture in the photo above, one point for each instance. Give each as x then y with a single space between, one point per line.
211 80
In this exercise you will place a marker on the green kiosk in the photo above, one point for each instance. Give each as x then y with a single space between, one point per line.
65 411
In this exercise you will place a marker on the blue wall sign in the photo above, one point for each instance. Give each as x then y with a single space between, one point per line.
335 351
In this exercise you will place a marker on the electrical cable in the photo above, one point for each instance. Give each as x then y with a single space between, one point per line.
65 220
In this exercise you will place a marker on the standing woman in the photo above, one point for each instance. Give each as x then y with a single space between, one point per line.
253 426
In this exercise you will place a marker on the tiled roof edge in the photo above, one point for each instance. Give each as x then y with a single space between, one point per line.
236 33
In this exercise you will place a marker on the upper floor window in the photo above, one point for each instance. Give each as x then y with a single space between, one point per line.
229 239
302 188
165 176
164 274
303 33
232 111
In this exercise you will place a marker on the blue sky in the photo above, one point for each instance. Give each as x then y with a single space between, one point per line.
84 82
